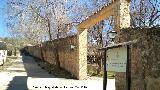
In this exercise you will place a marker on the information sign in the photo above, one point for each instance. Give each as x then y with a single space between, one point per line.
116 59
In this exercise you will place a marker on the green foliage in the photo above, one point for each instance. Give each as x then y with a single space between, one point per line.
13 43
3 46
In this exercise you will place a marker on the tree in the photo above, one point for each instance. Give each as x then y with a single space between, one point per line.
145 13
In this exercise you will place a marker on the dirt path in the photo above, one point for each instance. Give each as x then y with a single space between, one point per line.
25 74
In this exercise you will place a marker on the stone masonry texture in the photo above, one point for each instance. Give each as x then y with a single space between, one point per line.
69 58
145 59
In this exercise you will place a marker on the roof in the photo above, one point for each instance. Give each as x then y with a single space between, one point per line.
118 45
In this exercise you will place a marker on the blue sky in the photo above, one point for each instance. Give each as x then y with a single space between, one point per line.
3 29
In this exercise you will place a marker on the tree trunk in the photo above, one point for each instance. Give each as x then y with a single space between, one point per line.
49 30
57 58
99 62
14 51
42 57
57 51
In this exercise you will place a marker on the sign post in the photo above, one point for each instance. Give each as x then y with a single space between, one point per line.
105 72
118 59
128 69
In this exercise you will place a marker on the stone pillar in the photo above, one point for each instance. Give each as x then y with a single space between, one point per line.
82 53
122 20
122 15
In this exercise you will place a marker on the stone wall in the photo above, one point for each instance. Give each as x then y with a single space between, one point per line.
68 57
145 59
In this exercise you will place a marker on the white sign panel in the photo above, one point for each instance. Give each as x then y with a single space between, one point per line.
116 59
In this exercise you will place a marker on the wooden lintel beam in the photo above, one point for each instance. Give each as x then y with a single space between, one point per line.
105 13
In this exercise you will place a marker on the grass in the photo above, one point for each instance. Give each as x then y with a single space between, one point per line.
92 71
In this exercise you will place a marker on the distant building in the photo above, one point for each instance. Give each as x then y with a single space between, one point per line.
3 52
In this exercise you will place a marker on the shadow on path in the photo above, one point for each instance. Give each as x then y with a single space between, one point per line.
32 70
18 83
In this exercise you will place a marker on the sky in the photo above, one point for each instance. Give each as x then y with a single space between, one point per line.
3 29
